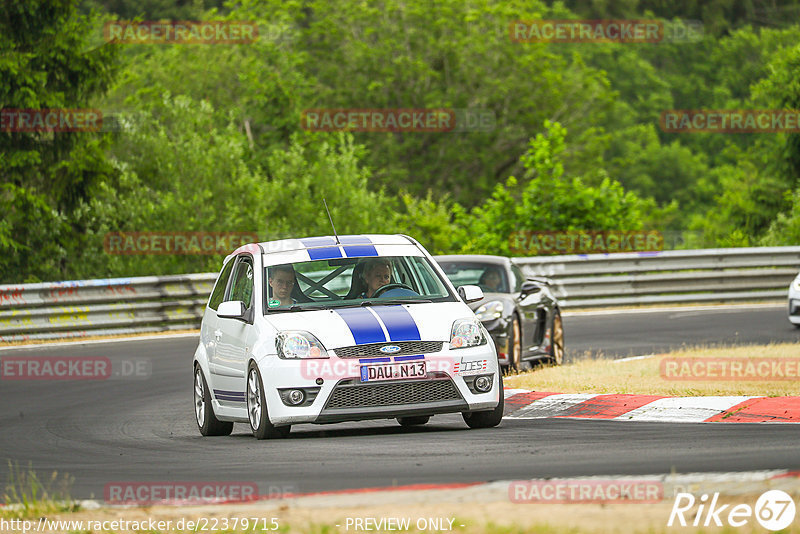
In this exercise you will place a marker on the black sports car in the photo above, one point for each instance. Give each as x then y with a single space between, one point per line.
520 312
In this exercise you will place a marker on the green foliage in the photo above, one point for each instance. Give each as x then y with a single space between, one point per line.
181 170
550 201
48 176
210 136
31 496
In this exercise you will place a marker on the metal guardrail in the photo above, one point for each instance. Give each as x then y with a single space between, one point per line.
83 308
158 303
675 276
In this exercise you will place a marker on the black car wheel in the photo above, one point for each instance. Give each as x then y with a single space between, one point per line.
207 421
257 408
486 419
557 340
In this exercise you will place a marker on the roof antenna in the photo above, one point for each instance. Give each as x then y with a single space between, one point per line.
331 220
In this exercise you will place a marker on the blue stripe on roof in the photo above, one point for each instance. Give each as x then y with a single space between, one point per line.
325 253
317 241
356 251
399 323
354 240
363 325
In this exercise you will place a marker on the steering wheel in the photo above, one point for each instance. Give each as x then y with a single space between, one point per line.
387 287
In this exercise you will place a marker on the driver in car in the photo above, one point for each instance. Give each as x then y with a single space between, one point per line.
377 273
491 280
281 280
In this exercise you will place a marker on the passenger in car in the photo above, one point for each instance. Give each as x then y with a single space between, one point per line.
281 280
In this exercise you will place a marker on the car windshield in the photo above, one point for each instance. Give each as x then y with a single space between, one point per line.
490 277
342 282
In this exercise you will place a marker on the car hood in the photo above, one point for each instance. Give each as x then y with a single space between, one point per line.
344 327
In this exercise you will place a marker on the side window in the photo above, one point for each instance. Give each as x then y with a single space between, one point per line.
242 285
518 278
218 294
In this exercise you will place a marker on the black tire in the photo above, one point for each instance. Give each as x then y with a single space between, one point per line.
486 419
204 416
415 420
257 408
557 340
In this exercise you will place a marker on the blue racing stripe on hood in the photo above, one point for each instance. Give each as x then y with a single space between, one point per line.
363 325
398 322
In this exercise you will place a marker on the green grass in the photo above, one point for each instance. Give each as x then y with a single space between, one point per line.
26 495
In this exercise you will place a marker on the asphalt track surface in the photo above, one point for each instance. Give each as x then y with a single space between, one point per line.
101 432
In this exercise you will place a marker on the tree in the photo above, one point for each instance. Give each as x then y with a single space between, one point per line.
45 63
550 201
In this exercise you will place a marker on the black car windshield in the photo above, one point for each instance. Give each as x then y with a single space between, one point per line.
343 282
490 277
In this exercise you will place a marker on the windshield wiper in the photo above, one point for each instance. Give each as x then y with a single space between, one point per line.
300 307
393 301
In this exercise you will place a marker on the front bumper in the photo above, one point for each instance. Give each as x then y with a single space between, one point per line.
344 397
794 307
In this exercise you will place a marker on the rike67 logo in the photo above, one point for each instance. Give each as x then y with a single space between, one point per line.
774 510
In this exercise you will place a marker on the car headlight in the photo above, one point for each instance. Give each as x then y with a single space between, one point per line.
296 344
489 311
467 333
796 284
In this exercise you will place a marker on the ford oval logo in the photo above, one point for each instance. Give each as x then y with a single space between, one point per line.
390 349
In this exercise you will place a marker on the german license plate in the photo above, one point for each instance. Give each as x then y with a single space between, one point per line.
393 371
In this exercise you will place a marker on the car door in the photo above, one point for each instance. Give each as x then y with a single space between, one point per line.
236 335
209 329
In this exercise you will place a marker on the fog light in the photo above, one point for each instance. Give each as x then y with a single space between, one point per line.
483 383
295 397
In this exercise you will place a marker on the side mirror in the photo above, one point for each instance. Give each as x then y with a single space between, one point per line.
232 309
529 288
470 293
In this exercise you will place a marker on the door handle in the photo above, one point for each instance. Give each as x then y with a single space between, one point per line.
217 334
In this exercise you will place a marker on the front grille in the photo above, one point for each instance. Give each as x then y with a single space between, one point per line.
393 394
373 349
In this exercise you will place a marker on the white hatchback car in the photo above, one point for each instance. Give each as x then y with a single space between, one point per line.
330 329
794 301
